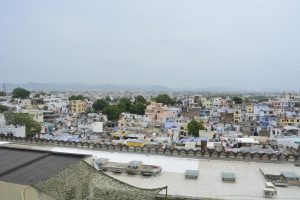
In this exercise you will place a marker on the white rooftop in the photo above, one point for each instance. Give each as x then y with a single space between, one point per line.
249 181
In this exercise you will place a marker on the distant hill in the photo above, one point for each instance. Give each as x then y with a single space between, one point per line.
126 87
223 89
85 86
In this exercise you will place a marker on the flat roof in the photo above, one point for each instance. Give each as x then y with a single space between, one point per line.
207 185
27 167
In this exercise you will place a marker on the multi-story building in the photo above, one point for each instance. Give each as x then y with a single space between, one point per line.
25 104
226 117
58 105
217 102
206 103
128 121
292 121
237 115
158 113
78 106
249 108
36 115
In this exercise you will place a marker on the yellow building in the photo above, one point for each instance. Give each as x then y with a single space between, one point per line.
78 106
237 115
249 108
135 143
289 121
183 131
206 103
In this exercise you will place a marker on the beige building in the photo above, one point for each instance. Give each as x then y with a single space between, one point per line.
36 115
78 106
237 115
25 104
206 103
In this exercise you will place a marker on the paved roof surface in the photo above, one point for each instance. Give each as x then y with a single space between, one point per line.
28 167
249 182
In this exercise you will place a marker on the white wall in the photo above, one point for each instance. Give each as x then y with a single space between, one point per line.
18 131
2 120
97 127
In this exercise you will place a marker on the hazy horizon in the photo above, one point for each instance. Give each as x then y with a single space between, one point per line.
250 44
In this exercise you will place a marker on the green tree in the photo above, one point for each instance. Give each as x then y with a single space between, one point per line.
164 99
77 97
20 93
108 99
2 93
139 105
237 100
3 108
100 105
125 104
138 108
32 127
113 112
194 127
246 100
140 99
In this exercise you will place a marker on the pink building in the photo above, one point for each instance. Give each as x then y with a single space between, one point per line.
158 113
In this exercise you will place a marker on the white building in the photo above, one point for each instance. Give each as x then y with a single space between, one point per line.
16 131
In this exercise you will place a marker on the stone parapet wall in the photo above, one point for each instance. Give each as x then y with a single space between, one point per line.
206 154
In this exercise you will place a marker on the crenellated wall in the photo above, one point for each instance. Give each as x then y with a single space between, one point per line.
292 156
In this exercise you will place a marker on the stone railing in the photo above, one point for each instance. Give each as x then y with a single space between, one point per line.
292 156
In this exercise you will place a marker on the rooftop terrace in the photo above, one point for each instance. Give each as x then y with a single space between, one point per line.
249 180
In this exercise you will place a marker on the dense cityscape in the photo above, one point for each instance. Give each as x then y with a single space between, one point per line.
149 100
262 128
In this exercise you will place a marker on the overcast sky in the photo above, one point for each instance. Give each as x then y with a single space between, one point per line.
250 44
